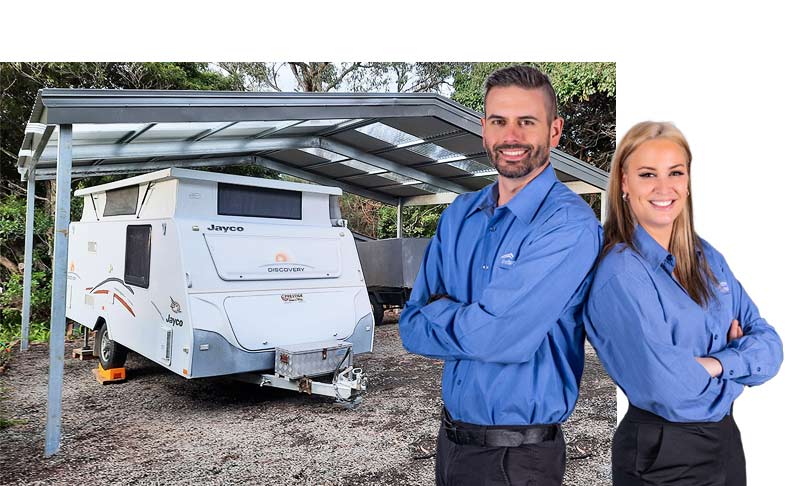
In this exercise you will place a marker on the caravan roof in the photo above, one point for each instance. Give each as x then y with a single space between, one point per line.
174 173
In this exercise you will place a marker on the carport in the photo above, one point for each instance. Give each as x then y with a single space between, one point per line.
400 149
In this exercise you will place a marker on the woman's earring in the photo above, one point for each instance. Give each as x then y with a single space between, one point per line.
624 196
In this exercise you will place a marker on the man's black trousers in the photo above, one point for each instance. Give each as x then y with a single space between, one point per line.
539 461
649 450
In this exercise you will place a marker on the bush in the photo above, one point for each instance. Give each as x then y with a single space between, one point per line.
11 304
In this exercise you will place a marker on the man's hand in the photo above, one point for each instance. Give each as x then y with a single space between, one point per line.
735 331
711 365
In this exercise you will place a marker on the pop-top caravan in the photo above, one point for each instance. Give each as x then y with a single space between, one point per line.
212 274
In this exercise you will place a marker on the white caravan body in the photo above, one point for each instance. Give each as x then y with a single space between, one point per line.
207 274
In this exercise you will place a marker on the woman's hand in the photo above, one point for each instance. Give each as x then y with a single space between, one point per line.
711 365
735 331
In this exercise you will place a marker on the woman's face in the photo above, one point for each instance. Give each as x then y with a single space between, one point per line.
656 183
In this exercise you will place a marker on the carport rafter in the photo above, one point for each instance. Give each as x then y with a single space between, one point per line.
389 165
183 148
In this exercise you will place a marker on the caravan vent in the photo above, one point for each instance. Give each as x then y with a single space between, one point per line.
165 345
92 247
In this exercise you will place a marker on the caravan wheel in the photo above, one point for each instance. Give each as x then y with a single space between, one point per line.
111 353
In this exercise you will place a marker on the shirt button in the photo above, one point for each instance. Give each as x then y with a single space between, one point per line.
758 369
458 382
732 372
492 228
485 267
715 336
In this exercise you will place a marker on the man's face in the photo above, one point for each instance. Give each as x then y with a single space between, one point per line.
517 132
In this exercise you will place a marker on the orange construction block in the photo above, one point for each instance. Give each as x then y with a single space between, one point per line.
112 375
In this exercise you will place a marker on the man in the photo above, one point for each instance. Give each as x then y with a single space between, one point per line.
498 297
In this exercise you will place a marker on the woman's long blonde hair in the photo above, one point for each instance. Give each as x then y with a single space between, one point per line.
692 272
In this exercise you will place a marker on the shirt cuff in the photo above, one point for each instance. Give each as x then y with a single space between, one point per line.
732 364
440 312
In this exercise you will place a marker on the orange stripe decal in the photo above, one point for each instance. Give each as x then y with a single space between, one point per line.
100 292
121 301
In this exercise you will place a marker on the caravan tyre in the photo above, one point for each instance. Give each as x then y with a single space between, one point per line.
111 353
378 310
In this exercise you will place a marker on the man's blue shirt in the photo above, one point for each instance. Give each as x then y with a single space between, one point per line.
647 331
510 331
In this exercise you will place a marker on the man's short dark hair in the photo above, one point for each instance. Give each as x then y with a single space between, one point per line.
525 77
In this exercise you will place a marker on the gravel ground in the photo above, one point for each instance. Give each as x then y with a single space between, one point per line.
158 428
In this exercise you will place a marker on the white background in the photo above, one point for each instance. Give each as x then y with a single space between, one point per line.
721 73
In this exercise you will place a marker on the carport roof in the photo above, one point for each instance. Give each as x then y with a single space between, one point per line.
417 148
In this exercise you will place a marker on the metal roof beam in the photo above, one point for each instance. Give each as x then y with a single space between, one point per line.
208 133
352 126
174 149
389 165
431 199
130 136
80 171
579 169
273 130
326 181
36 137
580 187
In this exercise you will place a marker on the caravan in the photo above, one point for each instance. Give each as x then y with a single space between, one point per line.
212 275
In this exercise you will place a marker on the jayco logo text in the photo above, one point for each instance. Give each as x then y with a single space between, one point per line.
225 229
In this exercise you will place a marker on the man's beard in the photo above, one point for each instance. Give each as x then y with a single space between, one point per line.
536 157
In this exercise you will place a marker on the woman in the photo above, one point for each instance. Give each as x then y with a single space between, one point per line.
671 324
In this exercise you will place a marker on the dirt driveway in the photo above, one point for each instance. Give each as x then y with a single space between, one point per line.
158 428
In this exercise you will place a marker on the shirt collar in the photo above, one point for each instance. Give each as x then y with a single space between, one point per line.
525 203
650 249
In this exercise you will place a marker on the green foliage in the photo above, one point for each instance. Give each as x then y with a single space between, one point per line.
11 305
12 220
418 221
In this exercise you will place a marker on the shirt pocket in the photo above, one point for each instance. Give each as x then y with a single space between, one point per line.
721 305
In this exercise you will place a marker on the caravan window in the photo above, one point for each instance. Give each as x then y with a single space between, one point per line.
258 202
121 201
137 254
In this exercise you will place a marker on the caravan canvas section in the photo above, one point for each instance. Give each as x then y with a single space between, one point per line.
212 274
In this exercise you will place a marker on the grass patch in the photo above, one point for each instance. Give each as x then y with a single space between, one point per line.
6 423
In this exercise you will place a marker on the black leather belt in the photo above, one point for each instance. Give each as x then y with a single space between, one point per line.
463 433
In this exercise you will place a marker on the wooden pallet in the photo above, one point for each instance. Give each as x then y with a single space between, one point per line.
83 354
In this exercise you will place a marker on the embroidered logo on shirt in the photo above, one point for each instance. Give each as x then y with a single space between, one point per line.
724 288
507 259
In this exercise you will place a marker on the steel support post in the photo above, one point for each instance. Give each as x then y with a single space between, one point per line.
28 274
399 219
603 206
63 193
